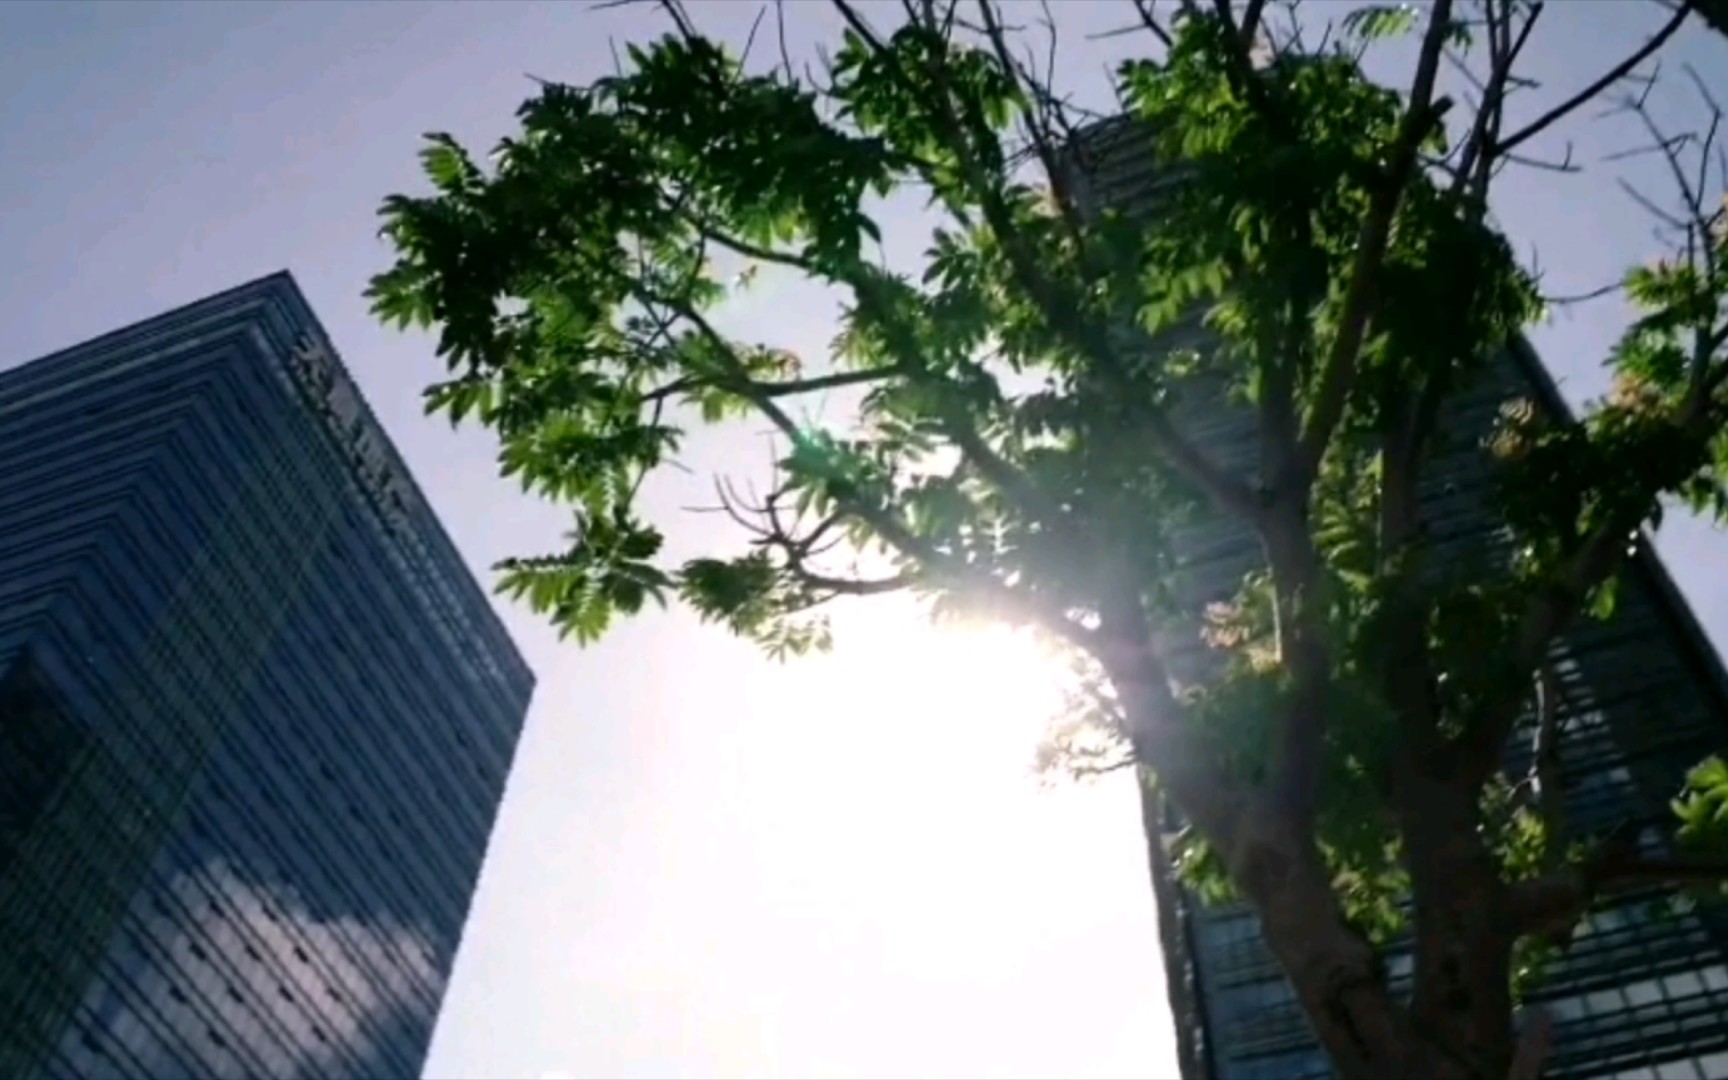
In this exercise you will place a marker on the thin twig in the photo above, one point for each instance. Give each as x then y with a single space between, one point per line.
1615 74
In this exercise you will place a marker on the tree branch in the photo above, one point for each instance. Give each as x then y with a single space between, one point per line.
1545 767
1339 373
1602 553
1615 74
1223 490
1016 604
1476 163
1298 751
1156 726
850 586
798 550
1551 905
1149 19
1250 22
812 385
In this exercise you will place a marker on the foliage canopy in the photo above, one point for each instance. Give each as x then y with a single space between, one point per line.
1025 443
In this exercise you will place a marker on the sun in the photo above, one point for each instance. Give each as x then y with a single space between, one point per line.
903 697
893 796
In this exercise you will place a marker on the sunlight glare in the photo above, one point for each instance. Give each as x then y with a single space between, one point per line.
978 697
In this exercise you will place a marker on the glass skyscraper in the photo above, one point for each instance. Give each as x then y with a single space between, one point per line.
1644 695
255 714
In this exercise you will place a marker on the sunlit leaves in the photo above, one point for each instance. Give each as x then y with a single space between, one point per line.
1702 808
998 457
1380 21
607 571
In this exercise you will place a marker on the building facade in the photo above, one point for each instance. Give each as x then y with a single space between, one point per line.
1645 697
255 714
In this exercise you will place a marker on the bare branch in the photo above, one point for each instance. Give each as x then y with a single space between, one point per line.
812 385
1698 228
1477 157
1615 74
1036 115
1649 206
1584 297
764 522
1149 19
1564 165
859 25
852 586
780 30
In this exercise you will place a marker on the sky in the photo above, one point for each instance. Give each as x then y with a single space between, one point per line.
706 864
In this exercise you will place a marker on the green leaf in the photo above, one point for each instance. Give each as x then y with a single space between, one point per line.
1379 21
1010 450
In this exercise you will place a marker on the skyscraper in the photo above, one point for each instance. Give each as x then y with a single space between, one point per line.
1645 697
255 714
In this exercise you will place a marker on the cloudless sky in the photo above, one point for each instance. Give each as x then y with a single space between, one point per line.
706 864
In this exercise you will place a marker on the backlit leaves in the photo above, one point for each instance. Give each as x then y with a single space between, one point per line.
998 457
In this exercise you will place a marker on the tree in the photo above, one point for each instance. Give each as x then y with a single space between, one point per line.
1327 263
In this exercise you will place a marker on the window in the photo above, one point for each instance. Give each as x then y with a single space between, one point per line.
197 951
234 995
177 994
300 955
215 1037
287 995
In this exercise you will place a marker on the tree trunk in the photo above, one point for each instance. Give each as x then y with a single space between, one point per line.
1337 975
1463 947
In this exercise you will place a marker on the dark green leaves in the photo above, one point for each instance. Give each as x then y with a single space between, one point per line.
757 599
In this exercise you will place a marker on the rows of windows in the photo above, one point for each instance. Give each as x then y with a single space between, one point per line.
337 771
477 823
225 924
410 663
438 569
264 781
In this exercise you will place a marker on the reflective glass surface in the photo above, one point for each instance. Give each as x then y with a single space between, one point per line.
255 714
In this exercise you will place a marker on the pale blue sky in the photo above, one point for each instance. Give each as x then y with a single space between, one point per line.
705 865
